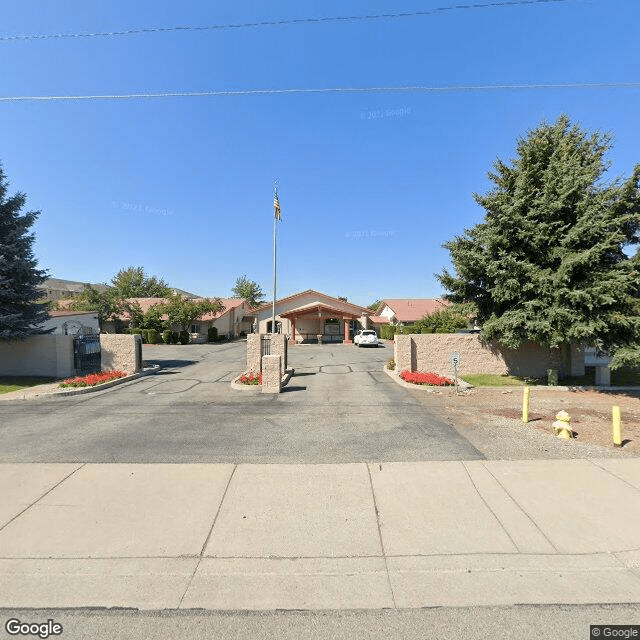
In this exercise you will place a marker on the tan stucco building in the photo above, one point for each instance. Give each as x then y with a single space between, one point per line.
306 315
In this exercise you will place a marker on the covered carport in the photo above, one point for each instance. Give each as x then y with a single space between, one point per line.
319 319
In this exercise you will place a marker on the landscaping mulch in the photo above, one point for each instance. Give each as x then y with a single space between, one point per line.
590 412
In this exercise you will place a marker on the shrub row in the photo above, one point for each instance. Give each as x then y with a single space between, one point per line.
149 336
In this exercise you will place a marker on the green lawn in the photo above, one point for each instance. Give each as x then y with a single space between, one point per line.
15 383
494 380
619 378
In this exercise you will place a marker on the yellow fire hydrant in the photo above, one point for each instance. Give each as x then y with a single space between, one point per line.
561 425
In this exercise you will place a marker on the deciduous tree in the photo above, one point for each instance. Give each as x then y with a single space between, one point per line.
248 289
133 282
184 312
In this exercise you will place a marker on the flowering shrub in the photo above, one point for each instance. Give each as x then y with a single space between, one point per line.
251 378
93 379
432 379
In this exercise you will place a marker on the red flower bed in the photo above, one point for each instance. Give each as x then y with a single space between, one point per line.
93 379
432 379
251 378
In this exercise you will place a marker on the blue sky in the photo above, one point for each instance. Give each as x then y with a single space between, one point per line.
371 184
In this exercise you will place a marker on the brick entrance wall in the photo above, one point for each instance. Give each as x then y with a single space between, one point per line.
432 353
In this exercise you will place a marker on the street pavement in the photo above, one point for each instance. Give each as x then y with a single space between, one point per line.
343 493
340 406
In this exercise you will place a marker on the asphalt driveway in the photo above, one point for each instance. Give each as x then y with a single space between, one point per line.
339 407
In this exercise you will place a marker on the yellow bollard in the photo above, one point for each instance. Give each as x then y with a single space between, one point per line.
616 428
525 404
561 425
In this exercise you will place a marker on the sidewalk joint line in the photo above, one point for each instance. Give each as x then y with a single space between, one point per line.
615 475
206 542
42 496
384 555
535 524
486 504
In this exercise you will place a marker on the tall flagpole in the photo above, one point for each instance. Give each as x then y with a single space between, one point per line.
276 217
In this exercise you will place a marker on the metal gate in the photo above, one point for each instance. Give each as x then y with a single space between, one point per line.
86 354
265 346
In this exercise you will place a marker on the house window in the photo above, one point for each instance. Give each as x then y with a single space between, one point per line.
195 328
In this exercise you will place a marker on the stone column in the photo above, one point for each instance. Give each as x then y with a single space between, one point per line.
403 353
271 374
253 352
121 352
278 347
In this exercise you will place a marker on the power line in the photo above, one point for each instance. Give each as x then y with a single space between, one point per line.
302 90
275 23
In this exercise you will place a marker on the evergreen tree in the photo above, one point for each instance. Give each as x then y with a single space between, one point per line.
20 313
548 264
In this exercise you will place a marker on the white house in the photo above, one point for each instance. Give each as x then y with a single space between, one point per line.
70 323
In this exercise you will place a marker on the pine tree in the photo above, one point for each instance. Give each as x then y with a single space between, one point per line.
548 263
20 313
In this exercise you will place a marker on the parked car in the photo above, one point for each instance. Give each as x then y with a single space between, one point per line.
366 338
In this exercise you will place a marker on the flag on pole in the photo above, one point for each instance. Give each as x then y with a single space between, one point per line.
276 206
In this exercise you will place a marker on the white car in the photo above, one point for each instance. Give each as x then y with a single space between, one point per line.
366 338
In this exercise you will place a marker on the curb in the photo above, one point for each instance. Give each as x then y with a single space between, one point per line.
65 393
560 388
462 385
256 388
465 386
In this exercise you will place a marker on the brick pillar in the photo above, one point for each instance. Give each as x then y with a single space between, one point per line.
293 331
346 331
271 374
402 353
278 347
253 352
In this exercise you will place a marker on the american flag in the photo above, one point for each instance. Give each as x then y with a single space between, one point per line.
276 206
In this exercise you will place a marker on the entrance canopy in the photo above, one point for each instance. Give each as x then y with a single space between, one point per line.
318 310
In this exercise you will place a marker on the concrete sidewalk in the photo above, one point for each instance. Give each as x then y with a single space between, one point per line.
344 536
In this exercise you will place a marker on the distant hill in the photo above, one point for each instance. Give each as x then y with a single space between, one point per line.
56 288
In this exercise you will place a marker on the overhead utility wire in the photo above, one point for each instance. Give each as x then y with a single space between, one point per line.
399 89
274 23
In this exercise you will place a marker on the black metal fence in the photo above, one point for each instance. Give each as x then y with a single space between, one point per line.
86 354
265 346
